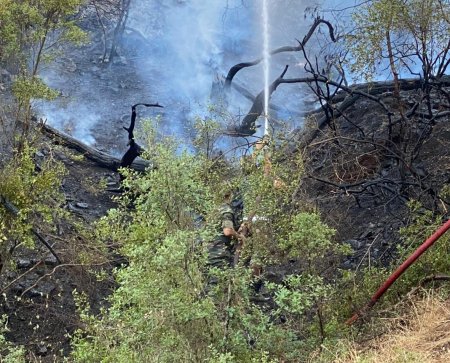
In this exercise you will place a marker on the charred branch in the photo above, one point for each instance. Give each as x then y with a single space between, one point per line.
236 68
249 96
134 150
247 126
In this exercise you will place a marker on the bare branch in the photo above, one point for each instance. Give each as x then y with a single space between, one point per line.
247 126
134 149
236 68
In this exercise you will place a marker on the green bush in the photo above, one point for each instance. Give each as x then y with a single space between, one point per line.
36 197
162 310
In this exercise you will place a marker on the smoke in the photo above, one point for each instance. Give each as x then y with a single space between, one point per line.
66 120
196 42
190 46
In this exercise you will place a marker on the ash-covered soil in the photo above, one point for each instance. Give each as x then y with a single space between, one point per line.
351 177
362 183
38 291
357 186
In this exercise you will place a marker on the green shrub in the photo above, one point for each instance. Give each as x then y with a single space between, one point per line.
162 310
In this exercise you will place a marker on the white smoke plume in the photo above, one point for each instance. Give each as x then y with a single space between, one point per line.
190 46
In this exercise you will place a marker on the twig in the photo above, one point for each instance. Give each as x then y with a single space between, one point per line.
427 279
58 267
15 211
46 244
20 276
227 309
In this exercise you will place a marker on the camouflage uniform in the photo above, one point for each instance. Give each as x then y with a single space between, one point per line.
222 248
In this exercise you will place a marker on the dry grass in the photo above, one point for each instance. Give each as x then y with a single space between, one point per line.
423 336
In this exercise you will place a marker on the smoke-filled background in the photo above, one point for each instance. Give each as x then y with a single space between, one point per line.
177 52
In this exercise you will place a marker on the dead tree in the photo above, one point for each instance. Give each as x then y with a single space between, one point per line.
107 12
247 126
134 149
236 68
120 27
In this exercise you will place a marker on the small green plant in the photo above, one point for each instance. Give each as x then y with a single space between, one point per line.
207 133
28 198
8 352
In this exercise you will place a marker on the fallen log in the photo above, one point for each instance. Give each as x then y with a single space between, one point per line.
349 95
378 88
101 158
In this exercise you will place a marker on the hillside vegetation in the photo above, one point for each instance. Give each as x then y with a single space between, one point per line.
107 265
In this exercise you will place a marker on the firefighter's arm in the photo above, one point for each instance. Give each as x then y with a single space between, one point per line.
230 232
228 228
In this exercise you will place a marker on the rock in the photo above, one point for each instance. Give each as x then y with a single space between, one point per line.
5 76
50 260
82 205
367 233
41 349
74 209
375 253
356 244
384 172
347 264
11 275
23 263
69 65
43 289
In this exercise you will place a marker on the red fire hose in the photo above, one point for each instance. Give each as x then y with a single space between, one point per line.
433 238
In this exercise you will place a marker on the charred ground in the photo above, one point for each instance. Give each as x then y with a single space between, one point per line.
355 182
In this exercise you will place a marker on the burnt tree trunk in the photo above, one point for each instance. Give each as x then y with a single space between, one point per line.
247 126
134 149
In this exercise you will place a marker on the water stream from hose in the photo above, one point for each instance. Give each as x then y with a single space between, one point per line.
266 57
